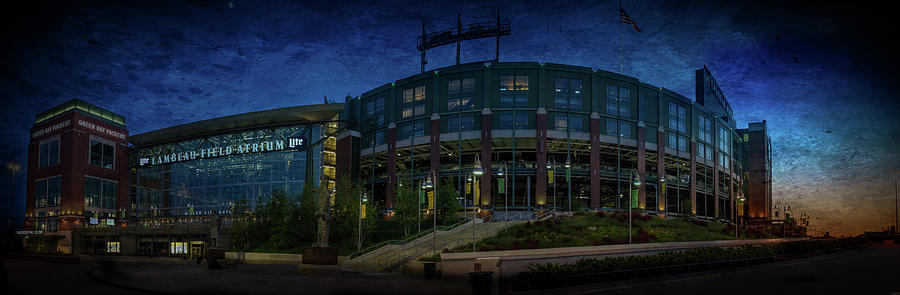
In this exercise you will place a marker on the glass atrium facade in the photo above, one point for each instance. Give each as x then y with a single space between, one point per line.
209 175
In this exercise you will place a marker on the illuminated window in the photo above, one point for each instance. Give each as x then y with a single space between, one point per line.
112 247
49 154
99 193
47 192
513 91
460 103
178 247
414 100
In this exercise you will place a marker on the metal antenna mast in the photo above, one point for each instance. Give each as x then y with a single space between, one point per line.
460 33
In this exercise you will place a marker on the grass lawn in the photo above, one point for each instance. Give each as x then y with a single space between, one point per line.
590 229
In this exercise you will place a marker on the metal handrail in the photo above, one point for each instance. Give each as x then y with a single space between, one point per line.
406 240
414 246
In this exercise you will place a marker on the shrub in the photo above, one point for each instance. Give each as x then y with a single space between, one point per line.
601 214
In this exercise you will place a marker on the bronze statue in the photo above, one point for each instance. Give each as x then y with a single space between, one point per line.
324 219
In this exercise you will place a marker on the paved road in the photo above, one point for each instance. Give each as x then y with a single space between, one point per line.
139 275
863 271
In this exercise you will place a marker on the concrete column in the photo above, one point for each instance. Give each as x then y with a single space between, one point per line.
595 160
642 164
661 169
391 190
693 176
347 156
540 188
486 202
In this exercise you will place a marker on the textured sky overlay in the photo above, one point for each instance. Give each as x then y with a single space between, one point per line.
817 75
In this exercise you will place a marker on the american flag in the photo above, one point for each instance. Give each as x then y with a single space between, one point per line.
623 17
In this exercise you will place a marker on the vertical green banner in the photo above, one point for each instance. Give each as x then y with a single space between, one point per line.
568 175
421 197
501 186
634 198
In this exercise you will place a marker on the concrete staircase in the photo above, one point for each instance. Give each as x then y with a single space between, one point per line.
393 254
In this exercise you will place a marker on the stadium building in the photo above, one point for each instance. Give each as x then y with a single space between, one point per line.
545 136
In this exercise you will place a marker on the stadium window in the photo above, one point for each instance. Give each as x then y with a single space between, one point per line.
677 117
672 140
612 127
460 103
567 94
102 154
513 91
419 128
705 129
413 102
99 193
618 101
47 192
460 123
375 112
49 154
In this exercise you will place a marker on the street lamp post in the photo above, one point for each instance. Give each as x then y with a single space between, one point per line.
362 198
430 183
502 172
419 209
569 180
551 164
475 172
13 169
637 183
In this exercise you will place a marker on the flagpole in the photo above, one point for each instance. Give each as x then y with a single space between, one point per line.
620 38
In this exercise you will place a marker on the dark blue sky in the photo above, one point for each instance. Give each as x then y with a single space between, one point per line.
823 77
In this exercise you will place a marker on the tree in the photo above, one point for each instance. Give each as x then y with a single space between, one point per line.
306 214
284 212
447 202
241 227
347 226
407 207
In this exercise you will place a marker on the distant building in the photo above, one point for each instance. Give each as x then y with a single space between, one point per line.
759 160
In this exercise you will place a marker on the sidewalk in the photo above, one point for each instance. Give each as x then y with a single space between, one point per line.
262 279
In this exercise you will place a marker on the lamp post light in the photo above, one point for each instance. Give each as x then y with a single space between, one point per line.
363 198
13 169
419 208
551 164
475 172
569 180
430 183
502 172
637 183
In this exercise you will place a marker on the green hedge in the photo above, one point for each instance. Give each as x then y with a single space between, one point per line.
673 258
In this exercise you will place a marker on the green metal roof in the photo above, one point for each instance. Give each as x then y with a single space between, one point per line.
259 119
77 104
